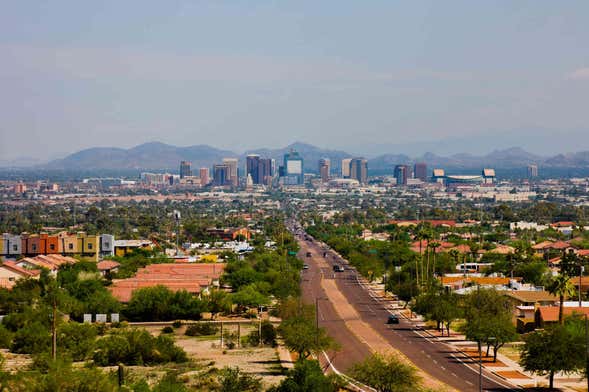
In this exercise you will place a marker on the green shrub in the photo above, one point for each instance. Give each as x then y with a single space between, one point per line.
230 340
159 303
201 329
268 333
76 339
177 324
33 338
167 329
5 337
234 380
253 339
137 347
170 383
111 350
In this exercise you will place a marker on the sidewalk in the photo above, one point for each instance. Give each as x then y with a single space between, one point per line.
284 356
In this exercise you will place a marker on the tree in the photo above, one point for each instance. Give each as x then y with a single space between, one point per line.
33 338
447 310
386 374
550 351
434 245
218 301
562 287
232 379
488 319
76 339
249 297
159 303
307 376
302 336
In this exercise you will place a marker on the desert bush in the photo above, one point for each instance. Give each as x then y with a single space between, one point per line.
137 347
201 329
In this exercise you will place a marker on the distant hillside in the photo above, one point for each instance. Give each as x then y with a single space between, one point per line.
147 156
160 156
311 155
501 159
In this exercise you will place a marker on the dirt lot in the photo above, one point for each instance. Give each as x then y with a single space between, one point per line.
206 351
205 355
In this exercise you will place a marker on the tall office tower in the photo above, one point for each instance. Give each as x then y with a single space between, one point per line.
359 170
420 171
532 171
233 175
252 167
346 167
265 171
401 174
293 167
185 170
204 176
324 169
221 175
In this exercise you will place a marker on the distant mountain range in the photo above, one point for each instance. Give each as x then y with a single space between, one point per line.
157 156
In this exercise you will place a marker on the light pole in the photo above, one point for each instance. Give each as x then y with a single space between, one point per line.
581 270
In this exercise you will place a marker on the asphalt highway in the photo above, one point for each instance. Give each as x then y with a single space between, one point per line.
438 359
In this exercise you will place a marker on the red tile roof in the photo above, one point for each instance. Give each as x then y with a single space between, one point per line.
433 222
10 265
550 313
563 224
107 265
189 277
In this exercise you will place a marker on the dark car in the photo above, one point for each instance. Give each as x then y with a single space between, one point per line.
308 254
338 268
393 319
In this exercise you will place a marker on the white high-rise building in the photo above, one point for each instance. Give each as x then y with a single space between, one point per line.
346 167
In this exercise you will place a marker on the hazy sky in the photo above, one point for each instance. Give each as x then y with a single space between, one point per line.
242 74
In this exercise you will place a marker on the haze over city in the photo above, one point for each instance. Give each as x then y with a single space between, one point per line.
373 78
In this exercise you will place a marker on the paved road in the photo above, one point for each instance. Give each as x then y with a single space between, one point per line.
438 359
352 350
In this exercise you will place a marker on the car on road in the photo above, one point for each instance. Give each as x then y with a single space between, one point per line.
305 266
338 268
308 254
393 319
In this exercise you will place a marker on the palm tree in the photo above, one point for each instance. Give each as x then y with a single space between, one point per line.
455 256
421 235
428 237
434 246
562 287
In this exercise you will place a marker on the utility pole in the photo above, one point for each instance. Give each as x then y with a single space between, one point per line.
260 326
54 329
581 269
587 349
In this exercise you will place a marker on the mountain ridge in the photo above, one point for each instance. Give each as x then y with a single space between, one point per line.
161 156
